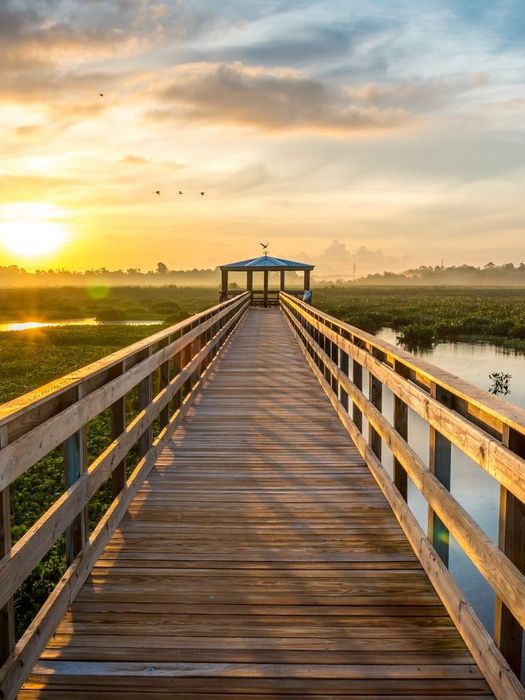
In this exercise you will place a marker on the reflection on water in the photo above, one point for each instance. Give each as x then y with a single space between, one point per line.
29 325
473 362
477 492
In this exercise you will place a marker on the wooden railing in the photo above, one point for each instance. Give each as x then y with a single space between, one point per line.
258 296
489 431
174 361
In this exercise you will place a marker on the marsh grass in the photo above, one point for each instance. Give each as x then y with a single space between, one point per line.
424 315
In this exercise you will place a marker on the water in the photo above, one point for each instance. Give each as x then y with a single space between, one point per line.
477 492
29 325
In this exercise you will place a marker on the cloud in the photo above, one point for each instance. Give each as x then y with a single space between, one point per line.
273 44
28 130
132 159
246 178
272 100
338 259
417 95
46 45
21 188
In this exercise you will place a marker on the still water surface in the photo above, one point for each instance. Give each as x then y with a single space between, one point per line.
477 492
29 325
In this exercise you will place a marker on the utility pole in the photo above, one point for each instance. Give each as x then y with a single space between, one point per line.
354 272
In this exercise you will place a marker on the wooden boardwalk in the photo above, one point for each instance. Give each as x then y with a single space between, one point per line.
259 559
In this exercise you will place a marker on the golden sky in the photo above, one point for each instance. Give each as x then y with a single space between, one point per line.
340 131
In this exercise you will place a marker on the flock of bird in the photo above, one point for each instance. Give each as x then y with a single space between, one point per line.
180 192
157 192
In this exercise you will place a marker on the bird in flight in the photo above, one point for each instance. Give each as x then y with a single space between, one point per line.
264 245
157 191
101 94
202 194
180 192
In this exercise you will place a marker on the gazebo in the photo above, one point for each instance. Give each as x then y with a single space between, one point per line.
265 264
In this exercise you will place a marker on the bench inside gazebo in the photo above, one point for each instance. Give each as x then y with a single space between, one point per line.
265 263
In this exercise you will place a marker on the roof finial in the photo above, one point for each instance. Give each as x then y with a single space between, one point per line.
264 247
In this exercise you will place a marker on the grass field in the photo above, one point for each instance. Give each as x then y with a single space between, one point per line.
29 359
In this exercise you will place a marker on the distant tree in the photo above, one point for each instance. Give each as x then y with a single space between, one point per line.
162 269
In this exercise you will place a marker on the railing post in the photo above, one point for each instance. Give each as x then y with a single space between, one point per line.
357 378
118 425
439 463
7 613
145 396
177 367
334 355
328 350
401 425
164 415
205 337
187 354
75 463
508 633
343 366
376 399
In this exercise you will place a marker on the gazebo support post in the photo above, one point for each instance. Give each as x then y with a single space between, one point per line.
307 281
249 284
265 289
224 285
283 280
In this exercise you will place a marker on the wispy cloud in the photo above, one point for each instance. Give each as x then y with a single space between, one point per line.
272 100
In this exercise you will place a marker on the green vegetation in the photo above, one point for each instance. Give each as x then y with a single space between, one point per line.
424 315
105 303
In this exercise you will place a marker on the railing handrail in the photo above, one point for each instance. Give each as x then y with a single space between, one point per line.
462 429
47 392
499 409
328 345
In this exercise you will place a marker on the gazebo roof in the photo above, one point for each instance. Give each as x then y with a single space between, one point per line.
267 262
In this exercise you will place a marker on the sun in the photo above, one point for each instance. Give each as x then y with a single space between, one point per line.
33 229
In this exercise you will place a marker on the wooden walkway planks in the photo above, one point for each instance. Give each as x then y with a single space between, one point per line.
260 559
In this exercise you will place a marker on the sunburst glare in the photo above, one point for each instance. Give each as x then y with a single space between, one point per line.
33 229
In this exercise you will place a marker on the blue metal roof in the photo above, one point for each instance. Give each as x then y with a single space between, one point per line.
267 262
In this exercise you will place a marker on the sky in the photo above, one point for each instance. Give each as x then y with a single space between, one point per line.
387 134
